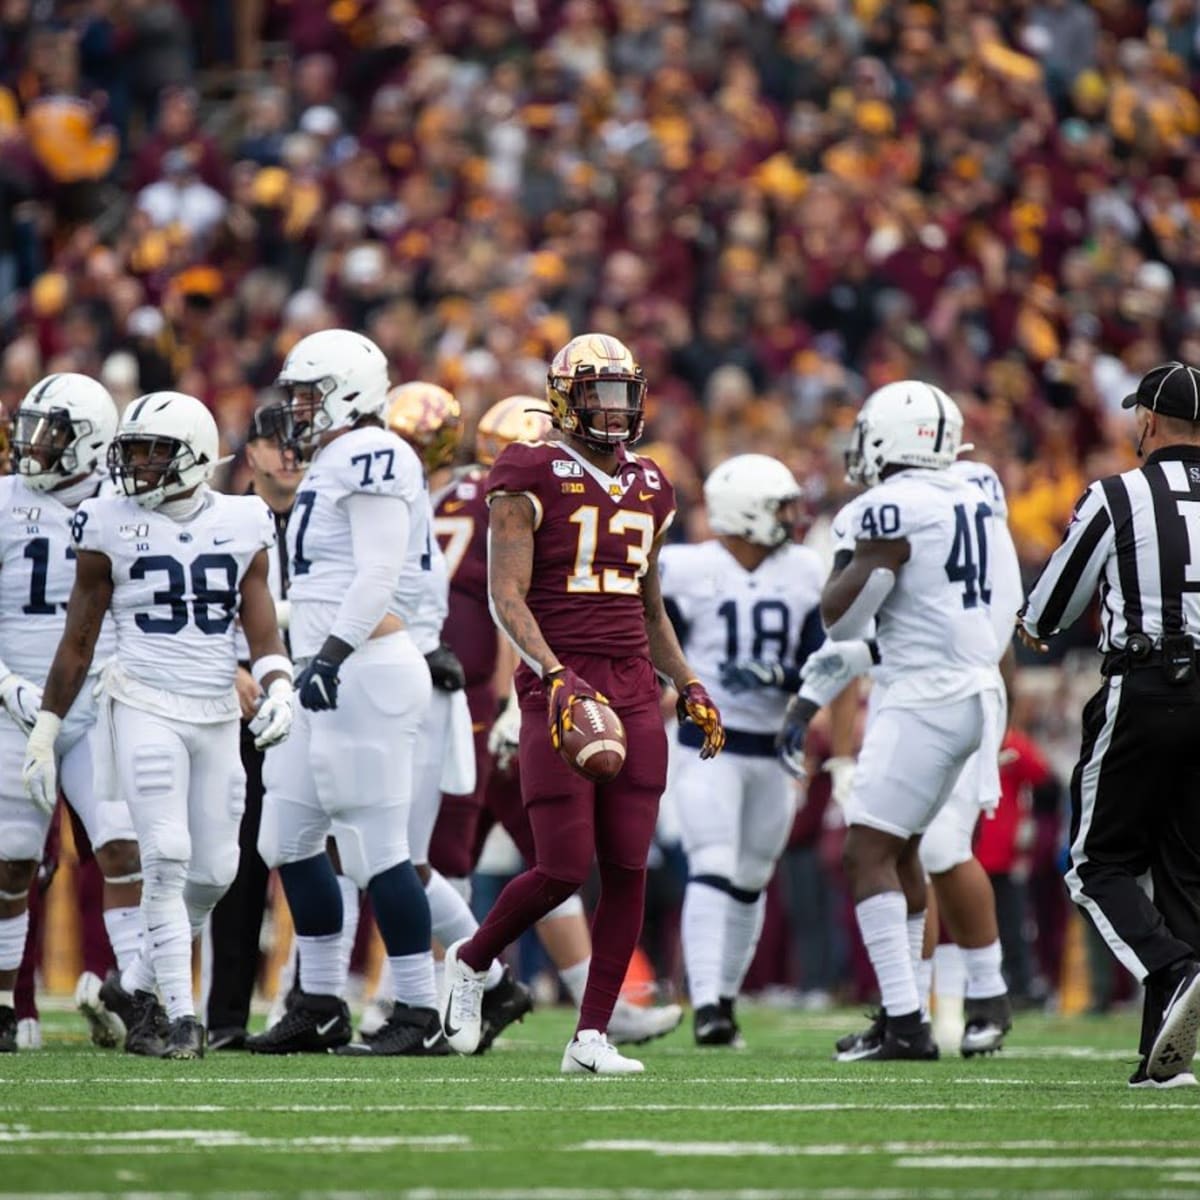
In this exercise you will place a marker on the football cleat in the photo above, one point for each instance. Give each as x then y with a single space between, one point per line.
631 1024
987 1021
8 1030
108 1030
1174 1045
896 1045
591 1053
866 1042
414 1032
147 1029
116 999
509 1001
29 1034
711 1026
1141 1078
313 1025
232 1037
376 1014
185 1039
462 1017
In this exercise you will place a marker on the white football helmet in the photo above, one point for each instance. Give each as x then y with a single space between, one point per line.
904 424
748 497
332 379
62 430
166 445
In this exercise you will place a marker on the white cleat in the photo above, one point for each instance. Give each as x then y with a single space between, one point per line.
375 1015
591 1053
108 1030
631 1024
29 1034
1175 1044
462 1014
1142 1080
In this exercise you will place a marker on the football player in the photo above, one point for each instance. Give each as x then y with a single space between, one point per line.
746 606
575 527
488 661
175 563
60 444
363 688
920 570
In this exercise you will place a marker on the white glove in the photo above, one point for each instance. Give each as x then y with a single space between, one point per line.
40 772
273 720
21 700
505 734
283 614
841 776
827 671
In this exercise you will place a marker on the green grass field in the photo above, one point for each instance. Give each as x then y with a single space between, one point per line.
1049 1118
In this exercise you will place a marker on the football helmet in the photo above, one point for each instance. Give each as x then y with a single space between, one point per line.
332 379
62 430
753 496
904 424
513 419
166 445
428 418
592 376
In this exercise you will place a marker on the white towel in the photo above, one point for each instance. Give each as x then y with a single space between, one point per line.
458 765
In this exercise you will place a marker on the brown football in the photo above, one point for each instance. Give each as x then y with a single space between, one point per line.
595 744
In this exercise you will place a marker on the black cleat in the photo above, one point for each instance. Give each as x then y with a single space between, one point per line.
232 1037
8 1030
185 1039
116 999
507 1002
312 1025
864 1044
987 1023
415 1032
897 1046
712 1027
147 1034
727 1005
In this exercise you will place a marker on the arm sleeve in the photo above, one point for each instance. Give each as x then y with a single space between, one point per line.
379 533
1006 585
1070 577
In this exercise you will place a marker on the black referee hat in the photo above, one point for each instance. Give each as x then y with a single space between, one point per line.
1172 389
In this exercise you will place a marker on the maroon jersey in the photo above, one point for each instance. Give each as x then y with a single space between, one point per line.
593 534
460 523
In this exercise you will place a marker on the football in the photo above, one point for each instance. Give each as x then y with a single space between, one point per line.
594 746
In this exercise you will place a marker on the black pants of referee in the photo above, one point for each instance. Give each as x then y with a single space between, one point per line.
237 918
1135 828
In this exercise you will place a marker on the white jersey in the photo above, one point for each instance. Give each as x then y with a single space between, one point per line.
770 615
37 572
368 460
935 632
424 587
176 590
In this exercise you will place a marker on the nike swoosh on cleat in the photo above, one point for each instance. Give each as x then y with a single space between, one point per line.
324 1028
430 1042
579 1062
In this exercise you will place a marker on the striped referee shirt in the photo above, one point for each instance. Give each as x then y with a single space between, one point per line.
1137 537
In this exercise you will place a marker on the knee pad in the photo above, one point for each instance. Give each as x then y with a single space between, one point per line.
944 846
557 891
715 860
753 872
572 906
163 880
367 854
166 842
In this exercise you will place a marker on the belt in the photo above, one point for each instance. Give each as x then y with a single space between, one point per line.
1127 661
737 741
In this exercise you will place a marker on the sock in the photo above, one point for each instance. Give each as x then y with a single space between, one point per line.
401 912
949 974
7 998
922 968
169 934
524 901
743 927
321 971
881 920
575 980
138 976
124 927
313 895
412 975
615 930
449 914
13 932
984 978
349 891
461 885
704 928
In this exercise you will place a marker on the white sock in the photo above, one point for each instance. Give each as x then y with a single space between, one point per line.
984 978
412 975
575 979
495 973
881 920
13 932
922 967
124 926
7 998
743 927
949 974
460 885
321 972
449 914
349 935
138 976
168 935
704 927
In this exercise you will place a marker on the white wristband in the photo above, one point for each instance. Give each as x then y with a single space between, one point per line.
264 666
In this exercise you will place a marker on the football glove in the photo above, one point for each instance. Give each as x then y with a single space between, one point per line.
829 669
841 770
505 734
696 705
750 674
40 770
563 689
273 720
445 670
789 741
21 700
317 685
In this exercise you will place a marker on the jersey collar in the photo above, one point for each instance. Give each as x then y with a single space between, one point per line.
1181 453
614 486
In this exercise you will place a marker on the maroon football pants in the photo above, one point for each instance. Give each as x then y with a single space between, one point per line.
574 820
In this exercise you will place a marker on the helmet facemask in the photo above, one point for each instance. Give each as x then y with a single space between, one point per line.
149 469
856 453
44 445
300 420
592 401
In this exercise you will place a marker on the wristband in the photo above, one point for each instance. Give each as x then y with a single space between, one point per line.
264 666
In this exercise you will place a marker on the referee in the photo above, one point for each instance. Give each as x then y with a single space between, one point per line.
1135 793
